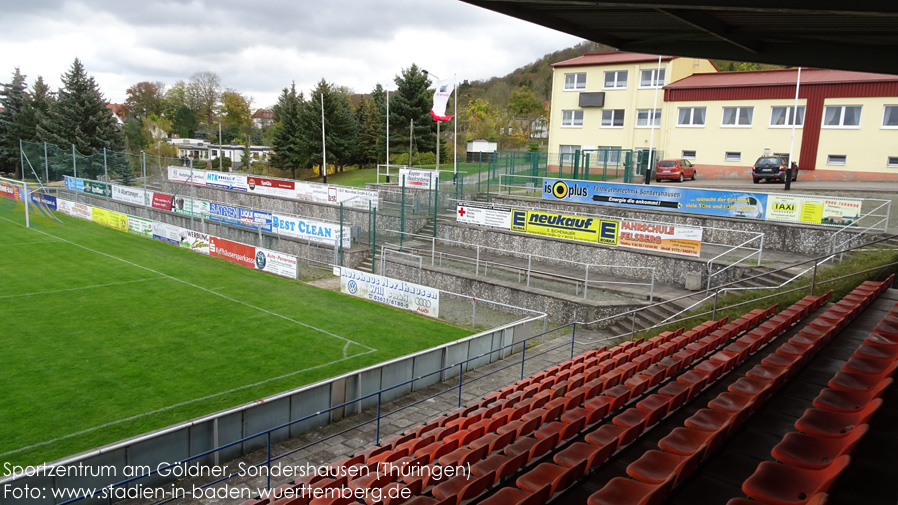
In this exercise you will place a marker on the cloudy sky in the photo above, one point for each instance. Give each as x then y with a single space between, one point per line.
259 47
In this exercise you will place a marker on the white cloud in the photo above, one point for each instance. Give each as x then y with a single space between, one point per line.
258 48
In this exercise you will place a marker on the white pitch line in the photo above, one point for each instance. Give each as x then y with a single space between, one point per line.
260 309
82 288
170 407
31 243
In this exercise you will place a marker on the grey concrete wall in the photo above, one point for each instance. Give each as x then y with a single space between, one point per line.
799 238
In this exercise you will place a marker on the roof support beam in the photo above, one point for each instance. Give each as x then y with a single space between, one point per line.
715 28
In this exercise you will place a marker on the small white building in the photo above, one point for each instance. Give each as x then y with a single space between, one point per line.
480 150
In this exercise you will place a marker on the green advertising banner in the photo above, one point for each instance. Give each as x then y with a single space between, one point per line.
98 188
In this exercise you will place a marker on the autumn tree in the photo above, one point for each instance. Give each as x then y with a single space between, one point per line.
203 94
145 99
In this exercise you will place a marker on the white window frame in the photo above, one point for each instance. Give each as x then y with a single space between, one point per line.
789 116
885 112
892 161
691 123
741 112
833 159
618 84
643 116
578 84
842 124
686 156
732 156
656 81
614 117
614 156
572 121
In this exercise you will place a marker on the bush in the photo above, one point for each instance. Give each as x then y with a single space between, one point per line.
418 159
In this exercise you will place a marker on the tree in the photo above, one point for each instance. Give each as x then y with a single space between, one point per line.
12 99
340 126
203 94
234 112
286 141
412 101
369 126
145 99
480 120
379 102
79 116
37 104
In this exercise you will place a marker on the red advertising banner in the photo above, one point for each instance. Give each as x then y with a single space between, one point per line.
234 252
162 201
9 191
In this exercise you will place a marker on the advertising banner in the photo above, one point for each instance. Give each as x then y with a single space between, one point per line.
483 215
162 201
234 252
414 297
74 209
271 187
421 179
48 201
97 188
139 226
356 198
804 209
128 194
311 191
276 263
183 174
9 191
695 201
584 229
168 233
223 180
73 183
186 206
304 229
193 240
675 239
109 218
239 216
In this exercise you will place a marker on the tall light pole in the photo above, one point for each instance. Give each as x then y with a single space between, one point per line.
220 146
426 73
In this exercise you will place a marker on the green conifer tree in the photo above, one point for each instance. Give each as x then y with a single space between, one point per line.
12 99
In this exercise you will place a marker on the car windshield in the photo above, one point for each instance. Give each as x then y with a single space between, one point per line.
667 164
769 161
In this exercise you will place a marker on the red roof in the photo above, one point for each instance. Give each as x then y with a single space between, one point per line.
263 114
116 109
786 77
611 58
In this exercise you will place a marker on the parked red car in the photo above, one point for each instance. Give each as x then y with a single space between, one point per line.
674 170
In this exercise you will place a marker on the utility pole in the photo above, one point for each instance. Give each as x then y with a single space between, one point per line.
411 131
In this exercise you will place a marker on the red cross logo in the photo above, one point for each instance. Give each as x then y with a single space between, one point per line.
461 212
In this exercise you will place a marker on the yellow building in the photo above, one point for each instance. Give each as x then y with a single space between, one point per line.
607 100
846 121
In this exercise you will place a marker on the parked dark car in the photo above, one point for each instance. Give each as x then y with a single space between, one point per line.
772 168
674 170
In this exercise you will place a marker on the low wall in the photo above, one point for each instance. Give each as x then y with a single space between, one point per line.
778 236
200 435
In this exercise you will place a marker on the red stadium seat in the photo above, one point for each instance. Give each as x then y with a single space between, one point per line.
807 451
622 491
779 484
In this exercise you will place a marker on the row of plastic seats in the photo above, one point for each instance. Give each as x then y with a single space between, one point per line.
653 475
504 420
547 479
811 458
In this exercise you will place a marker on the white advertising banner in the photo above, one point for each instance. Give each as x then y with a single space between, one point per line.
356 198
421 179
305 229
183 174
404 295
137 196
311 191
168 233
276 263
142 227
483 216
75 209
194 240
224 180
195 208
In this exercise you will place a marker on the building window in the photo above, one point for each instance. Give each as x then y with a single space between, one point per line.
575 81
616 79
566 153
836 159
890 116
608 154
644 117
572 118
782 117
892 161
613 118
651 78
689 155
732 156
737 116
842 116
691 116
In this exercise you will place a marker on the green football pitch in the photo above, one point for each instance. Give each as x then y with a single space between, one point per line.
107 335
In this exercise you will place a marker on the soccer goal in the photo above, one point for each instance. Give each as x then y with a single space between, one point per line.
27 204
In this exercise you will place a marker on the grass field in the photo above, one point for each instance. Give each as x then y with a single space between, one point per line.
107 335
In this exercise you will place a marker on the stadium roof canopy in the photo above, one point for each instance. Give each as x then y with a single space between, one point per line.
859 35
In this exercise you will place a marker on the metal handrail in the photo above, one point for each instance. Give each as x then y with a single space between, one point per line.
740 246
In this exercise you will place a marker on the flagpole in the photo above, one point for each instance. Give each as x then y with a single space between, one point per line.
455 133
323 145
387 163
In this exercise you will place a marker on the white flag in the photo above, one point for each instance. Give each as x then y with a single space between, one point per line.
440 97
